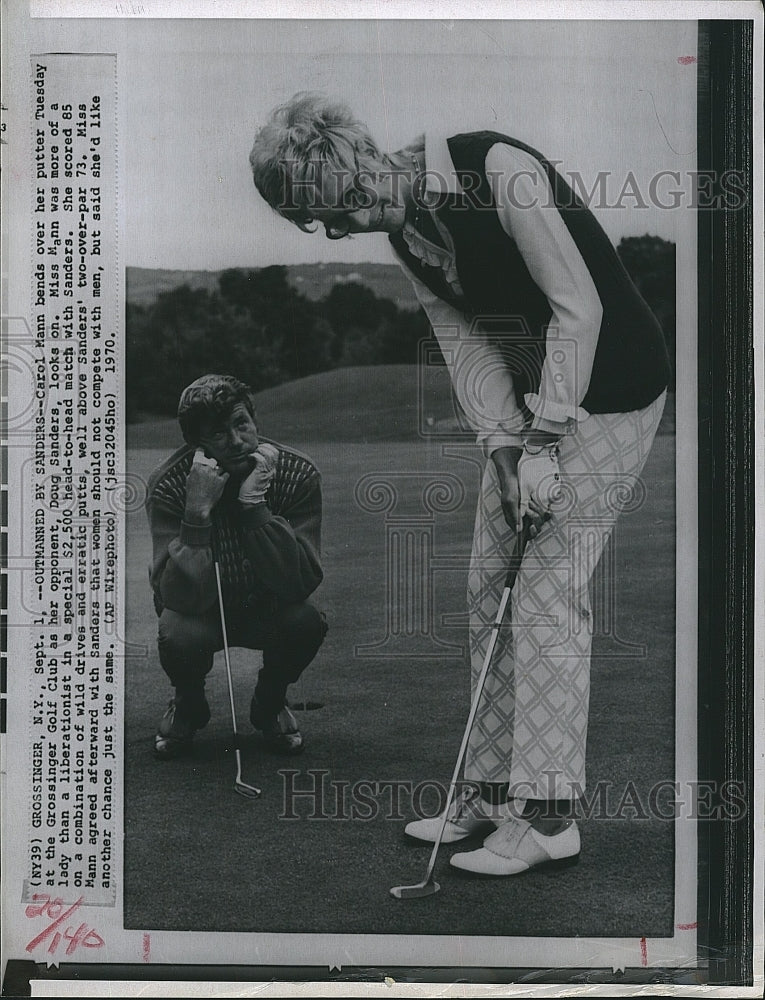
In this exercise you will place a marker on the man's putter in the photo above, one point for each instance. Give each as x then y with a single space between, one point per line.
240 787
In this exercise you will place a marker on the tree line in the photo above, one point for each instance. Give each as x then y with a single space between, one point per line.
258 326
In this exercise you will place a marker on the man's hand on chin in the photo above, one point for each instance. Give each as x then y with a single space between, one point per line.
204 487
255 486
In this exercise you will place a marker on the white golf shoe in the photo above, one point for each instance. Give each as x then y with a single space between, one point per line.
516 846
469 814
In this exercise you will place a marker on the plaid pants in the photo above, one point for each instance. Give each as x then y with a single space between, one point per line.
531 728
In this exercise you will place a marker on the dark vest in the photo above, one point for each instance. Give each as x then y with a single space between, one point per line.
631 365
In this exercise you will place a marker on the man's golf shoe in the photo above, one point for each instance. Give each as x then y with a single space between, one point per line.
279 729
469 815
184 716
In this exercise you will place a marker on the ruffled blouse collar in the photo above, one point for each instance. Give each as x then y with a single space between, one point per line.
433 254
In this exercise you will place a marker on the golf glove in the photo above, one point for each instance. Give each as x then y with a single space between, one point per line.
538 477
254 488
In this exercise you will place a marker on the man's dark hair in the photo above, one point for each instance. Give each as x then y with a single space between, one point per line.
209 400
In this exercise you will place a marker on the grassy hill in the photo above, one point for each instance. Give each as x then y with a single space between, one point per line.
363 404
315 281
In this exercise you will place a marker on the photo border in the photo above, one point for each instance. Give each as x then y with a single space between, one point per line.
727 495
727 697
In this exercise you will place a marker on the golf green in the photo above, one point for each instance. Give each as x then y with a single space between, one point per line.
394 700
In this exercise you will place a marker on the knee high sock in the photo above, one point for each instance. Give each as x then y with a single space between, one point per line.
495 793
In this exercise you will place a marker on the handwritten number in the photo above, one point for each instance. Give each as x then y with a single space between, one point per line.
92 940
85 936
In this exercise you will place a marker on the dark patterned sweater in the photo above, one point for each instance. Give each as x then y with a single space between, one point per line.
266 553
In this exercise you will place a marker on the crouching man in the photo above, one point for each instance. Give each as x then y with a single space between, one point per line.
255 509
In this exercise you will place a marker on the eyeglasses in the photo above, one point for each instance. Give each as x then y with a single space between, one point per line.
353 197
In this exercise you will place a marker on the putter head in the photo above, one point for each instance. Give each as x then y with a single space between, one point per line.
246 791
428 888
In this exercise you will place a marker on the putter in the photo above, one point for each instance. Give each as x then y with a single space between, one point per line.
429 886
240 787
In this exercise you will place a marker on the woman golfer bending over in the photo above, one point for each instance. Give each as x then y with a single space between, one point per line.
560 367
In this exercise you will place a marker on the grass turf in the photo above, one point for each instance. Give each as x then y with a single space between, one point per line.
358 404
197 856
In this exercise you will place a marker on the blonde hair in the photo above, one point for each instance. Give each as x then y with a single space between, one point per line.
306 149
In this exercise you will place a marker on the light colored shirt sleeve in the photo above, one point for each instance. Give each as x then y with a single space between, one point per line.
481 381
528 215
